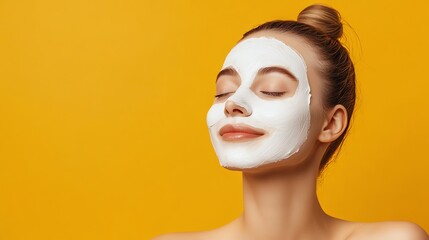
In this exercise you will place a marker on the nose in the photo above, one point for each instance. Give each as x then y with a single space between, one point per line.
232 109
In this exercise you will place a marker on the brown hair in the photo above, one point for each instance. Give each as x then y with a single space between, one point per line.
321 26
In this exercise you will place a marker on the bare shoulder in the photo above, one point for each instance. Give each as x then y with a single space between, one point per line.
400 230
225 232
202 235
169 236
174 236
181 236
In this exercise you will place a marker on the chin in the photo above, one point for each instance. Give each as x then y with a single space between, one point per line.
289 163
232 163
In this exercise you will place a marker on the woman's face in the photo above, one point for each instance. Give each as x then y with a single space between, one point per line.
267 110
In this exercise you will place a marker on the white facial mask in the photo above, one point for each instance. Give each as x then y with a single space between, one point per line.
286 120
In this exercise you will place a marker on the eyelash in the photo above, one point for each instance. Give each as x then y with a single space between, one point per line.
274 94
222 94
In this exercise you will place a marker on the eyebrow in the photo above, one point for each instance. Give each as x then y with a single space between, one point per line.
227 71
232 72
276 69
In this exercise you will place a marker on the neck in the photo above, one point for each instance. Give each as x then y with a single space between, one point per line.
283 204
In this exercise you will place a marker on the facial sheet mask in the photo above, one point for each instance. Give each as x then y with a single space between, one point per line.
285 120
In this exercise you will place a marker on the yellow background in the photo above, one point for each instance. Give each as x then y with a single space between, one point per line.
103 104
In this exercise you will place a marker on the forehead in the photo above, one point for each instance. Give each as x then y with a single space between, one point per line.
251 55
263 51
299 44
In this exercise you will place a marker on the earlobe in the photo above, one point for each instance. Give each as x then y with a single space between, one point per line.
335 124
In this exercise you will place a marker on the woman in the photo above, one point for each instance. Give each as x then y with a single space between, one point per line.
285 97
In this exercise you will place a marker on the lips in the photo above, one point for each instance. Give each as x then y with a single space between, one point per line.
238 132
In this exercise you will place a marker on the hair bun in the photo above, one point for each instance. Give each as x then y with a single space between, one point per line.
323 18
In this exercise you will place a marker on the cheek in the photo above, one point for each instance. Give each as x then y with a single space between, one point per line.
284 115
215 114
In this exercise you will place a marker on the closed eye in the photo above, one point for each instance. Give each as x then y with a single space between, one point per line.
222 94
275 94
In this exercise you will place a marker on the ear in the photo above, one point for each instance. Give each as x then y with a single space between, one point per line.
334 125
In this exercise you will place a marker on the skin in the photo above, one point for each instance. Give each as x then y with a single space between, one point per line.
280 201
